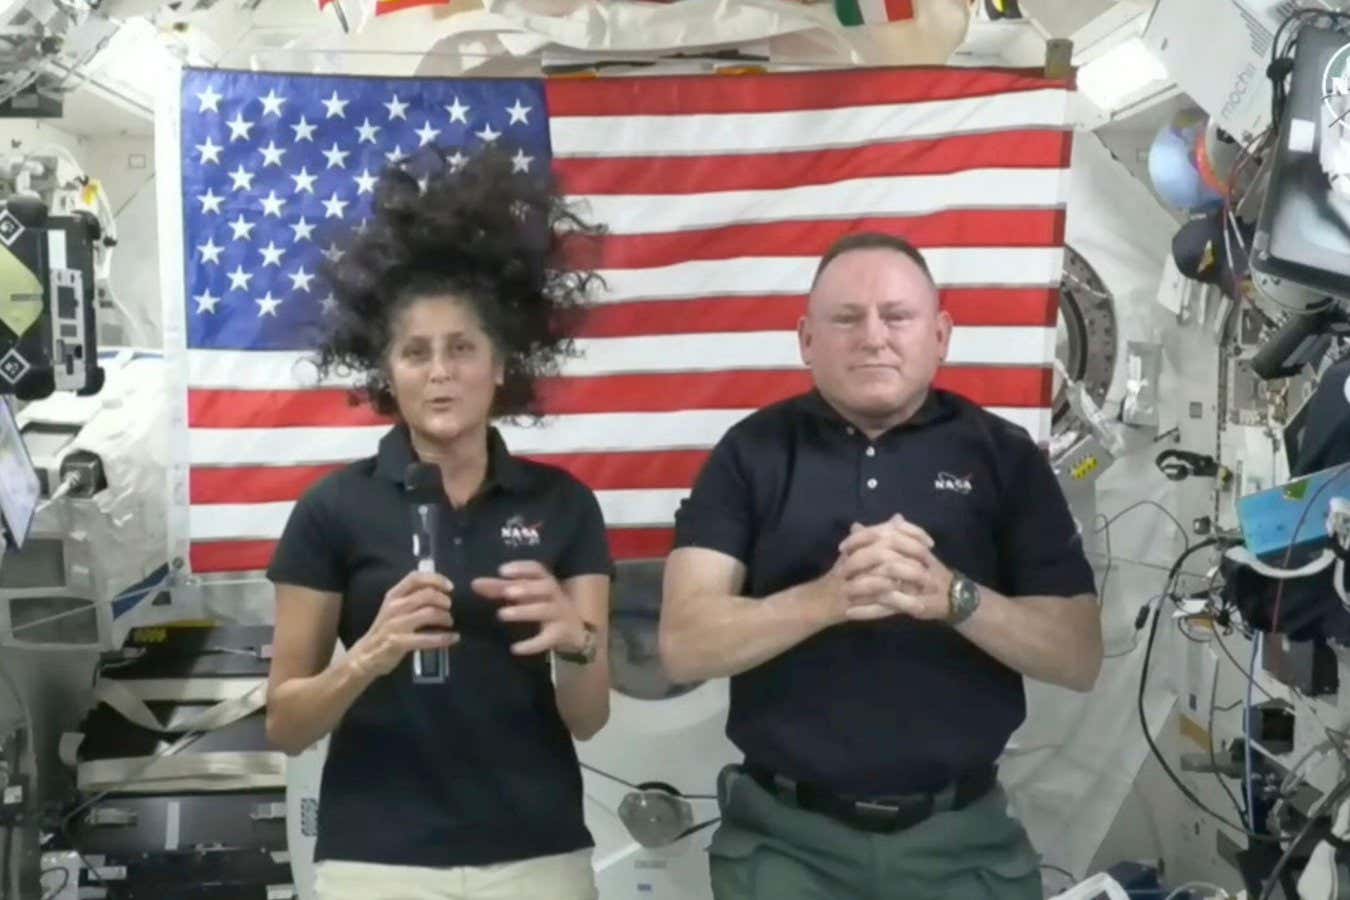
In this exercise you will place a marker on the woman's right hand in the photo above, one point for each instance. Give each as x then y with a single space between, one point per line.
420 600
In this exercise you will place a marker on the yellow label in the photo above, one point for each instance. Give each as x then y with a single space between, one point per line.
150 635
1084 468
20 293
1194 732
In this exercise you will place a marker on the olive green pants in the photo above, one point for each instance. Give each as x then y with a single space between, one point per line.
768 849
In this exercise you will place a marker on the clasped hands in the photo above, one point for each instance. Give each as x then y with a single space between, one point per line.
888 569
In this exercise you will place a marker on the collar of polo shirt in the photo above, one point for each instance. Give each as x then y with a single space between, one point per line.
504 470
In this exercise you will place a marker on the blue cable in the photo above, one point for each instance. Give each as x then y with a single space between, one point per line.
1247 732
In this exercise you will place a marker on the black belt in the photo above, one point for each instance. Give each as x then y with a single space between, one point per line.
877 814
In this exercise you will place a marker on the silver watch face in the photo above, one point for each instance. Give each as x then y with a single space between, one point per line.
965 597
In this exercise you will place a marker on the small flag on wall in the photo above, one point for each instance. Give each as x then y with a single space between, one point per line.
873 12
385 7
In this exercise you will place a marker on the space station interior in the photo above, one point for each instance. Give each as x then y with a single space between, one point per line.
1192 395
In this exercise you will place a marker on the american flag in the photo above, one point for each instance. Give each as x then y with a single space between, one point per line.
720 194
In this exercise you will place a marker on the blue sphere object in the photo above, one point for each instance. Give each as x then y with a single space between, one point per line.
1172 168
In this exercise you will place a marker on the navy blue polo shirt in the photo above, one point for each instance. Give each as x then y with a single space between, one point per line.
481 769
897 705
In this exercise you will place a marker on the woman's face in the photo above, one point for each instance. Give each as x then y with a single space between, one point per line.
443 370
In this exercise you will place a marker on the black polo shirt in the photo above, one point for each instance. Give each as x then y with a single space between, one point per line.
898 705
480 769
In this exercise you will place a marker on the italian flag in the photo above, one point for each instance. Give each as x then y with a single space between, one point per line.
873 12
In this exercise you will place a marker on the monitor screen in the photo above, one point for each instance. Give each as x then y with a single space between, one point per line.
19 489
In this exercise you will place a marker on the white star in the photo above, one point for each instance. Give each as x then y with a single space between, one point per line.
365 182
519 113
457 161
520 162
333 207
239 127
210 252
243 179
487 134
366 132
304 181
272 204
272 103
206 302
328 303
333 253
300 280
302 230
211 150
239 279
458 112
271 154
336 157
427 134
267 305
210 202
271 254
422 185
243 229
335 106
395 155
396 108
303 130
363 226
209 100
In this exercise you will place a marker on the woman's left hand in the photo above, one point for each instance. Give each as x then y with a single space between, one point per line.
530 593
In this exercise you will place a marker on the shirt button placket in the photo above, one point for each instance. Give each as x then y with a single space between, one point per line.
867 474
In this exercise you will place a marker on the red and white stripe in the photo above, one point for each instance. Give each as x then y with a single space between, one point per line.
720 195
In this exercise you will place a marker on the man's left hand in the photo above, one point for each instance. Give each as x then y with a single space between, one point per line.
529 593
890 568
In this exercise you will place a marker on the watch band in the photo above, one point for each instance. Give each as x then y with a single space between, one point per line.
590 646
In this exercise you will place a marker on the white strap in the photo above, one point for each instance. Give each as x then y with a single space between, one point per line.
68 748
219 771
189 690
1242 555
123 699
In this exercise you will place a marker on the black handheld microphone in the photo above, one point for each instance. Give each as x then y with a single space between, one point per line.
422 484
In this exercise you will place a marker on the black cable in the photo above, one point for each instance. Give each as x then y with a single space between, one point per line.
1065 872
1239 666
6 850
53 893
1143 687
695 829
1213 758
1110 520
1279 74
634 787
1338 793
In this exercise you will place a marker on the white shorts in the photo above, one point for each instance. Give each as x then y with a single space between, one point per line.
565 877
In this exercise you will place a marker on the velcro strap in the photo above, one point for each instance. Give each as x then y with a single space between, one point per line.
249 696
217 771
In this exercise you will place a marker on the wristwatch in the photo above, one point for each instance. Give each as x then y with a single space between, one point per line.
963 598
590 646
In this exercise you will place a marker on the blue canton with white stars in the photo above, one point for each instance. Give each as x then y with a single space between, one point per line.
279 168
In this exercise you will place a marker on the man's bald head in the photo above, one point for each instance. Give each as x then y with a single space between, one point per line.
873 240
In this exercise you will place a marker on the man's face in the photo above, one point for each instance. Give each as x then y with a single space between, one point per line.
874 336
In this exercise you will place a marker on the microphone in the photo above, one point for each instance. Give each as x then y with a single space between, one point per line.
422 485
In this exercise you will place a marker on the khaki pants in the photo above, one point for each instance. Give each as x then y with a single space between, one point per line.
565 877
767 849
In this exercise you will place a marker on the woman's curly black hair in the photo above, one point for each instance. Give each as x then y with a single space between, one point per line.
489 237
